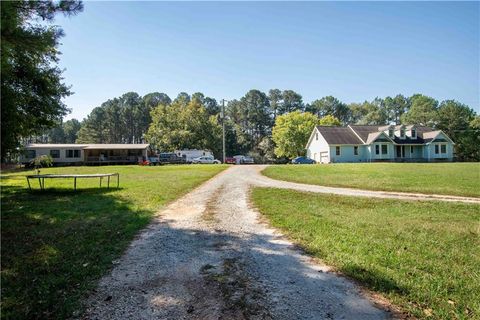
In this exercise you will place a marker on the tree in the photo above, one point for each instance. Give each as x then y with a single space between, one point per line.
423 111
180 126
368 113
291 132
329 106
329 120
292 101
255 116
275 97
183 98
31 82
209 103
396 107
70 130
457 121
470 142
93 127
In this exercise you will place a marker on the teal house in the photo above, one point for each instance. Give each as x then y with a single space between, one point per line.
400 143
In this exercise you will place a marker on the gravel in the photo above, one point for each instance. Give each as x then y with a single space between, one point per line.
208 256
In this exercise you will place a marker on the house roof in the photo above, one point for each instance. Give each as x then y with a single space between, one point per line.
89 146
429 136
354 134
339 135
374 136
364 131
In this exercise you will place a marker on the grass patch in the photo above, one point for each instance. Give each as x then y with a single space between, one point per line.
423 256
57 243
460 179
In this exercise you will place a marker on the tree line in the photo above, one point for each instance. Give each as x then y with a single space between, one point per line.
195 121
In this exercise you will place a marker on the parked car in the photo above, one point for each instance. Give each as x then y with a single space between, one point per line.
243 159
303 160
206 159
154 161
230 160
170 157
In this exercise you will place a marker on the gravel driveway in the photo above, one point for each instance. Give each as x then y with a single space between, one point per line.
207 256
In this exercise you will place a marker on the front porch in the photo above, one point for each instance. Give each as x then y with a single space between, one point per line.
113 156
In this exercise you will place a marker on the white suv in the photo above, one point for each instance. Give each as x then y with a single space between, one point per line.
206 159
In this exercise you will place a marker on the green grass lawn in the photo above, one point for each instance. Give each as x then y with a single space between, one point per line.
57 243
423 256
461 179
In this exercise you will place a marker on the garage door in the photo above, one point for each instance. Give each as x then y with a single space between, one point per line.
323 157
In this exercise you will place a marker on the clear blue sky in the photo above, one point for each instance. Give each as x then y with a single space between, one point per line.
353 51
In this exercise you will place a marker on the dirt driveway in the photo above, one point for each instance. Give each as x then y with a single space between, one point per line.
207 256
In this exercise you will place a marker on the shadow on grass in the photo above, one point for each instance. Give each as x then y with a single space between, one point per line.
374 280
56 243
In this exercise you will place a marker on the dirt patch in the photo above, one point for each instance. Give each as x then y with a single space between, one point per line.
242 298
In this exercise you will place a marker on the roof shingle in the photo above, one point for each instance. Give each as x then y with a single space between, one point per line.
338 135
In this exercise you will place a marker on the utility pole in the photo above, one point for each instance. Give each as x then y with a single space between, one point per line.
223 129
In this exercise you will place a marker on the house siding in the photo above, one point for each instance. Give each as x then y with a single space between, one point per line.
63 155
347 153
318 147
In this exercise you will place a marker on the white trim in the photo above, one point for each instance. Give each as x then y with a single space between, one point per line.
311 137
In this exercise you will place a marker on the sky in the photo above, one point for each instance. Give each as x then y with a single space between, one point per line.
354 51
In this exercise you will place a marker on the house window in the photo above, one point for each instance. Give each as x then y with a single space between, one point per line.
391 132
337 151
55 153
384 149
31 154
377 149
72 153
411 149
436 149
355 150
443 148
402 133
414 134
316 136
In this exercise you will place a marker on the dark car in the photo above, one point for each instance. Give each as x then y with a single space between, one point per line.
170 157
303 160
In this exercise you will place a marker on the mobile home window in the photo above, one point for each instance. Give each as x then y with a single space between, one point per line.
31 154
337 151
436 149
384 149
355 151
72 153
55 153
443 148
377 149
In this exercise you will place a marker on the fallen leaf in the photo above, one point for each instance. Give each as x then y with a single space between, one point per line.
428 312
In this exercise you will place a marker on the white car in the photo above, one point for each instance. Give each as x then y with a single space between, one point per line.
206 159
